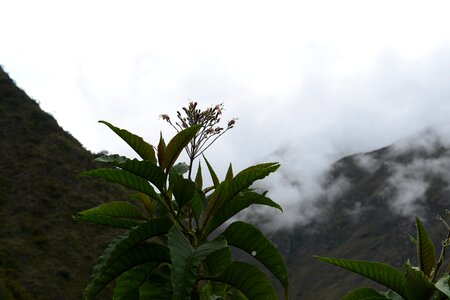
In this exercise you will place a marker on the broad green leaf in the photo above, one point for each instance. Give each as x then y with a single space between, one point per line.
127 179
236 205
248 238
159 285
198 177
120 209
177 144
144 149
183 190
246 177
227 190
197 205
418 285
186 260
443 286
229 174
140 254
213 175
128 284
215 264
119 214
145 169
379 272
426 252
218 261
119 249
249 280
107 221
156 290
364 294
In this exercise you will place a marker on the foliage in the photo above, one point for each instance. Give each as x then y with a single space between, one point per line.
172 247
415 283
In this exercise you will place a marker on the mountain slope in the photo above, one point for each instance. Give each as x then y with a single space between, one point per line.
382 193
44 254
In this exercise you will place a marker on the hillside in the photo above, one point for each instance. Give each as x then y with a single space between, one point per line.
44 254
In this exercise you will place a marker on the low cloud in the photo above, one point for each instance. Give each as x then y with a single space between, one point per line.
427 157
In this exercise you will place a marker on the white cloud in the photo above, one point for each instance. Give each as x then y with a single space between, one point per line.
367 162
409 182
318 80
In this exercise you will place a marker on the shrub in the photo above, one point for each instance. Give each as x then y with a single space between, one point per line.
173 247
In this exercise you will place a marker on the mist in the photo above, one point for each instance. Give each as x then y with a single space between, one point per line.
309 85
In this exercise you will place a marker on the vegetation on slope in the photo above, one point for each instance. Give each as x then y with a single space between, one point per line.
44 254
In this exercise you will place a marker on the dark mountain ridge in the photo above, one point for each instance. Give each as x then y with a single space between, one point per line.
44 254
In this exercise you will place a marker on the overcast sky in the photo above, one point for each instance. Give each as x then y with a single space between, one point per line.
310 81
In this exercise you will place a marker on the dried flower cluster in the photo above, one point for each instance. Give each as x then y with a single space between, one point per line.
210 131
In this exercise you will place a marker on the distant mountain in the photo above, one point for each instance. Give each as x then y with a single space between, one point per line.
380 194
44 254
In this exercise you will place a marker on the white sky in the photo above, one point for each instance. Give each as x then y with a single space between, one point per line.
310 81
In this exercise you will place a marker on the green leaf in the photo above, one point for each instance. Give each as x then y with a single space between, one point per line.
120 209
246 177
379 272
227 190
142 253
161 150
197 205
249 280
128 284
218 261
236 205
119 250
229 174
248 238
186 260
177 144
364 294
108 221
145 169
443 286
418 285
126 179
213 175
158 286
183 190
156 289
144 149
115 214
426 252
198 177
